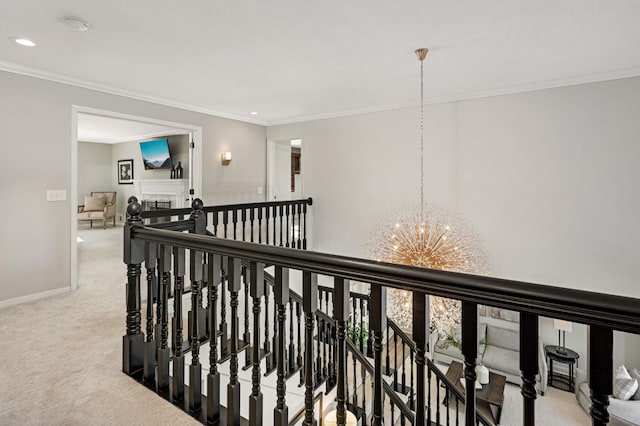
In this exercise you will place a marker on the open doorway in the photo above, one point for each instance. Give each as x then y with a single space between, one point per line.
107 140
285 170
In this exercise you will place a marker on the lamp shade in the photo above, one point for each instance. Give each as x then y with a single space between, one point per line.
562 325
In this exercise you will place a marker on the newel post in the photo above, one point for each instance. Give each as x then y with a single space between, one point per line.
310 306
196 275
133 340
378 324
600 342
420 337
528 365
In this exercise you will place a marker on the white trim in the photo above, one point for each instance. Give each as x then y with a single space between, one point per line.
134 137
32 297
32 72
73 198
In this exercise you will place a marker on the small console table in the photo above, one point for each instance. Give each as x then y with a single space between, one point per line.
555 353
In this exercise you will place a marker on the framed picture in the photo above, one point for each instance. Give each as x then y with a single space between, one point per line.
125 172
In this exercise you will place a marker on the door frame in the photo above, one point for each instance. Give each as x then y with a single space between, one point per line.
271 165
73 196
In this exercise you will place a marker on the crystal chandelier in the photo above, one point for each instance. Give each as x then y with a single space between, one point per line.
427 236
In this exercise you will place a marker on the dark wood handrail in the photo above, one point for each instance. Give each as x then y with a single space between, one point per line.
605 310
226 207
403 336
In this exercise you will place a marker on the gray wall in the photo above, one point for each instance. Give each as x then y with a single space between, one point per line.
548 178
35 121
94 168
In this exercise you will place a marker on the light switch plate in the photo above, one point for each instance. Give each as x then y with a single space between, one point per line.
56 194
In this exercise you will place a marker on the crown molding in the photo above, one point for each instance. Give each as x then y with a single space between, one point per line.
32 72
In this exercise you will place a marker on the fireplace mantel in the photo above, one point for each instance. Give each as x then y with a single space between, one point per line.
174 190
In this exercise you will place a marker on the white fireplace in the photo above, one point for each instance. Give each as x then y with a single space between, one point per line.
174 190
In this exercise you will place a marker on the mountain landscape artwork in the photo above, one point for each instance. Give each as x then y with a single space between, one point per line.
155 154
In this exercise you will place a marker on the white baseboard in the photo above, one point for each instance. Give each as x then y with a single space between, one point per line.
32 297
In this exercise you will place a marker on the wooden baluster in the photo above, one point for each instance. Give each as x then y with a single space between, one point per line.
304 234
438 386
233 388
163 352
235 222
346 375
395 358
281 296
178 357
214 222
259 225
378 325
246 336
256 276
420 332
292 347
225 223
281 214
272 364
363 379
404 376
355 376
299 240
457 411
369 336
361 337
325 370
341 315
318 351
418 378
411 389
224 348
151 257
267 209
310 305
133 340
299 357
528 364
331 378
470 352
196 272
274 211
293 225
213 378
267 345
393 412
244 224
288 228
251 219
600 342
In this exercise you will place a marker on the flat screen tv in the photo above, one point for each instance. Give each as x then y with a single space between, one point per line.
155 154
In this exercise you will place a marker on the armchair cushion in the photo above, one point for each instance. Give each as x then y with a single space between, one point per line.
94 203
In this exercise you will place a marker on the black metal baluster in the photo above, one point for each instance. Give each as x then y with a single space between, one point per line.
257 290
378 325
196 274
213 378
178 357
164 353
233 388
281 296
528 364
133 340
309 291
420 335
151 254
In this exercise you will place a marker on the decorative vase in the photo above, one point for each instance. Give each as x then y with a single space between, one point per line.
179 170
173 172
482 373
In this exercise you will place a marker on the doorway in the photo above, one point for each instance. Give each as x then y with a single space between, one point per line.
127 127
285 170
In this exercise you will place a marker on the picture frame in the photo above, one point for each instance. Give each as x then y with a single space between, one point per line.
125 172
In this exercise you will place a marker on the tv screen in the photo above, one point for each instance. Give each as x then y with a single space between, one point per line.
155 154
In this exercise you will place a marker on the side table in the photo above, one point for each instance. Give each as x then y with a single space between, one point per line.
570 358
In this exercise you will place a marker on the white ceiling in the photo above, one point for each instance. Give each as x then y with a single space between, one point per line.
292 60
101 129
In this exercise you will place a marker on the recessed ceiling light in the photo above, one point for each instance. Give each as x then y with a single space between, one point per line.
22 41
75 23
253 113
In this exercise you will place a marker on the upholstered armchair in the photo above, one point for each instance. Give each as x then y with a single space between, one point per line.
98 206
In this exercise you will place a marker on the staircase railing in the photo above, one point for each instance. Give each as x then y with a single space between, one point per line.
217 262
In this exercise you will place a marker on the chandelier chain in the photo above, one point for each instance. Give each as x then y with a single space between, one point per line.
421 141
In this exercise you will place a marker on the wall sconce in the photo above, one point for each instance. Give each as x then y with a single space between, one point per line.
226 158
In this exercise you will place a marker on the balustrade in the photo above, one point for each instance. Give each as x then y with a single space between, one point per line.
338 339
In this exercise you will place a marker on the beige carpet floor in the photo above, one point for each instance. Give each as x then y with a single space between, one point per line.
61 357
